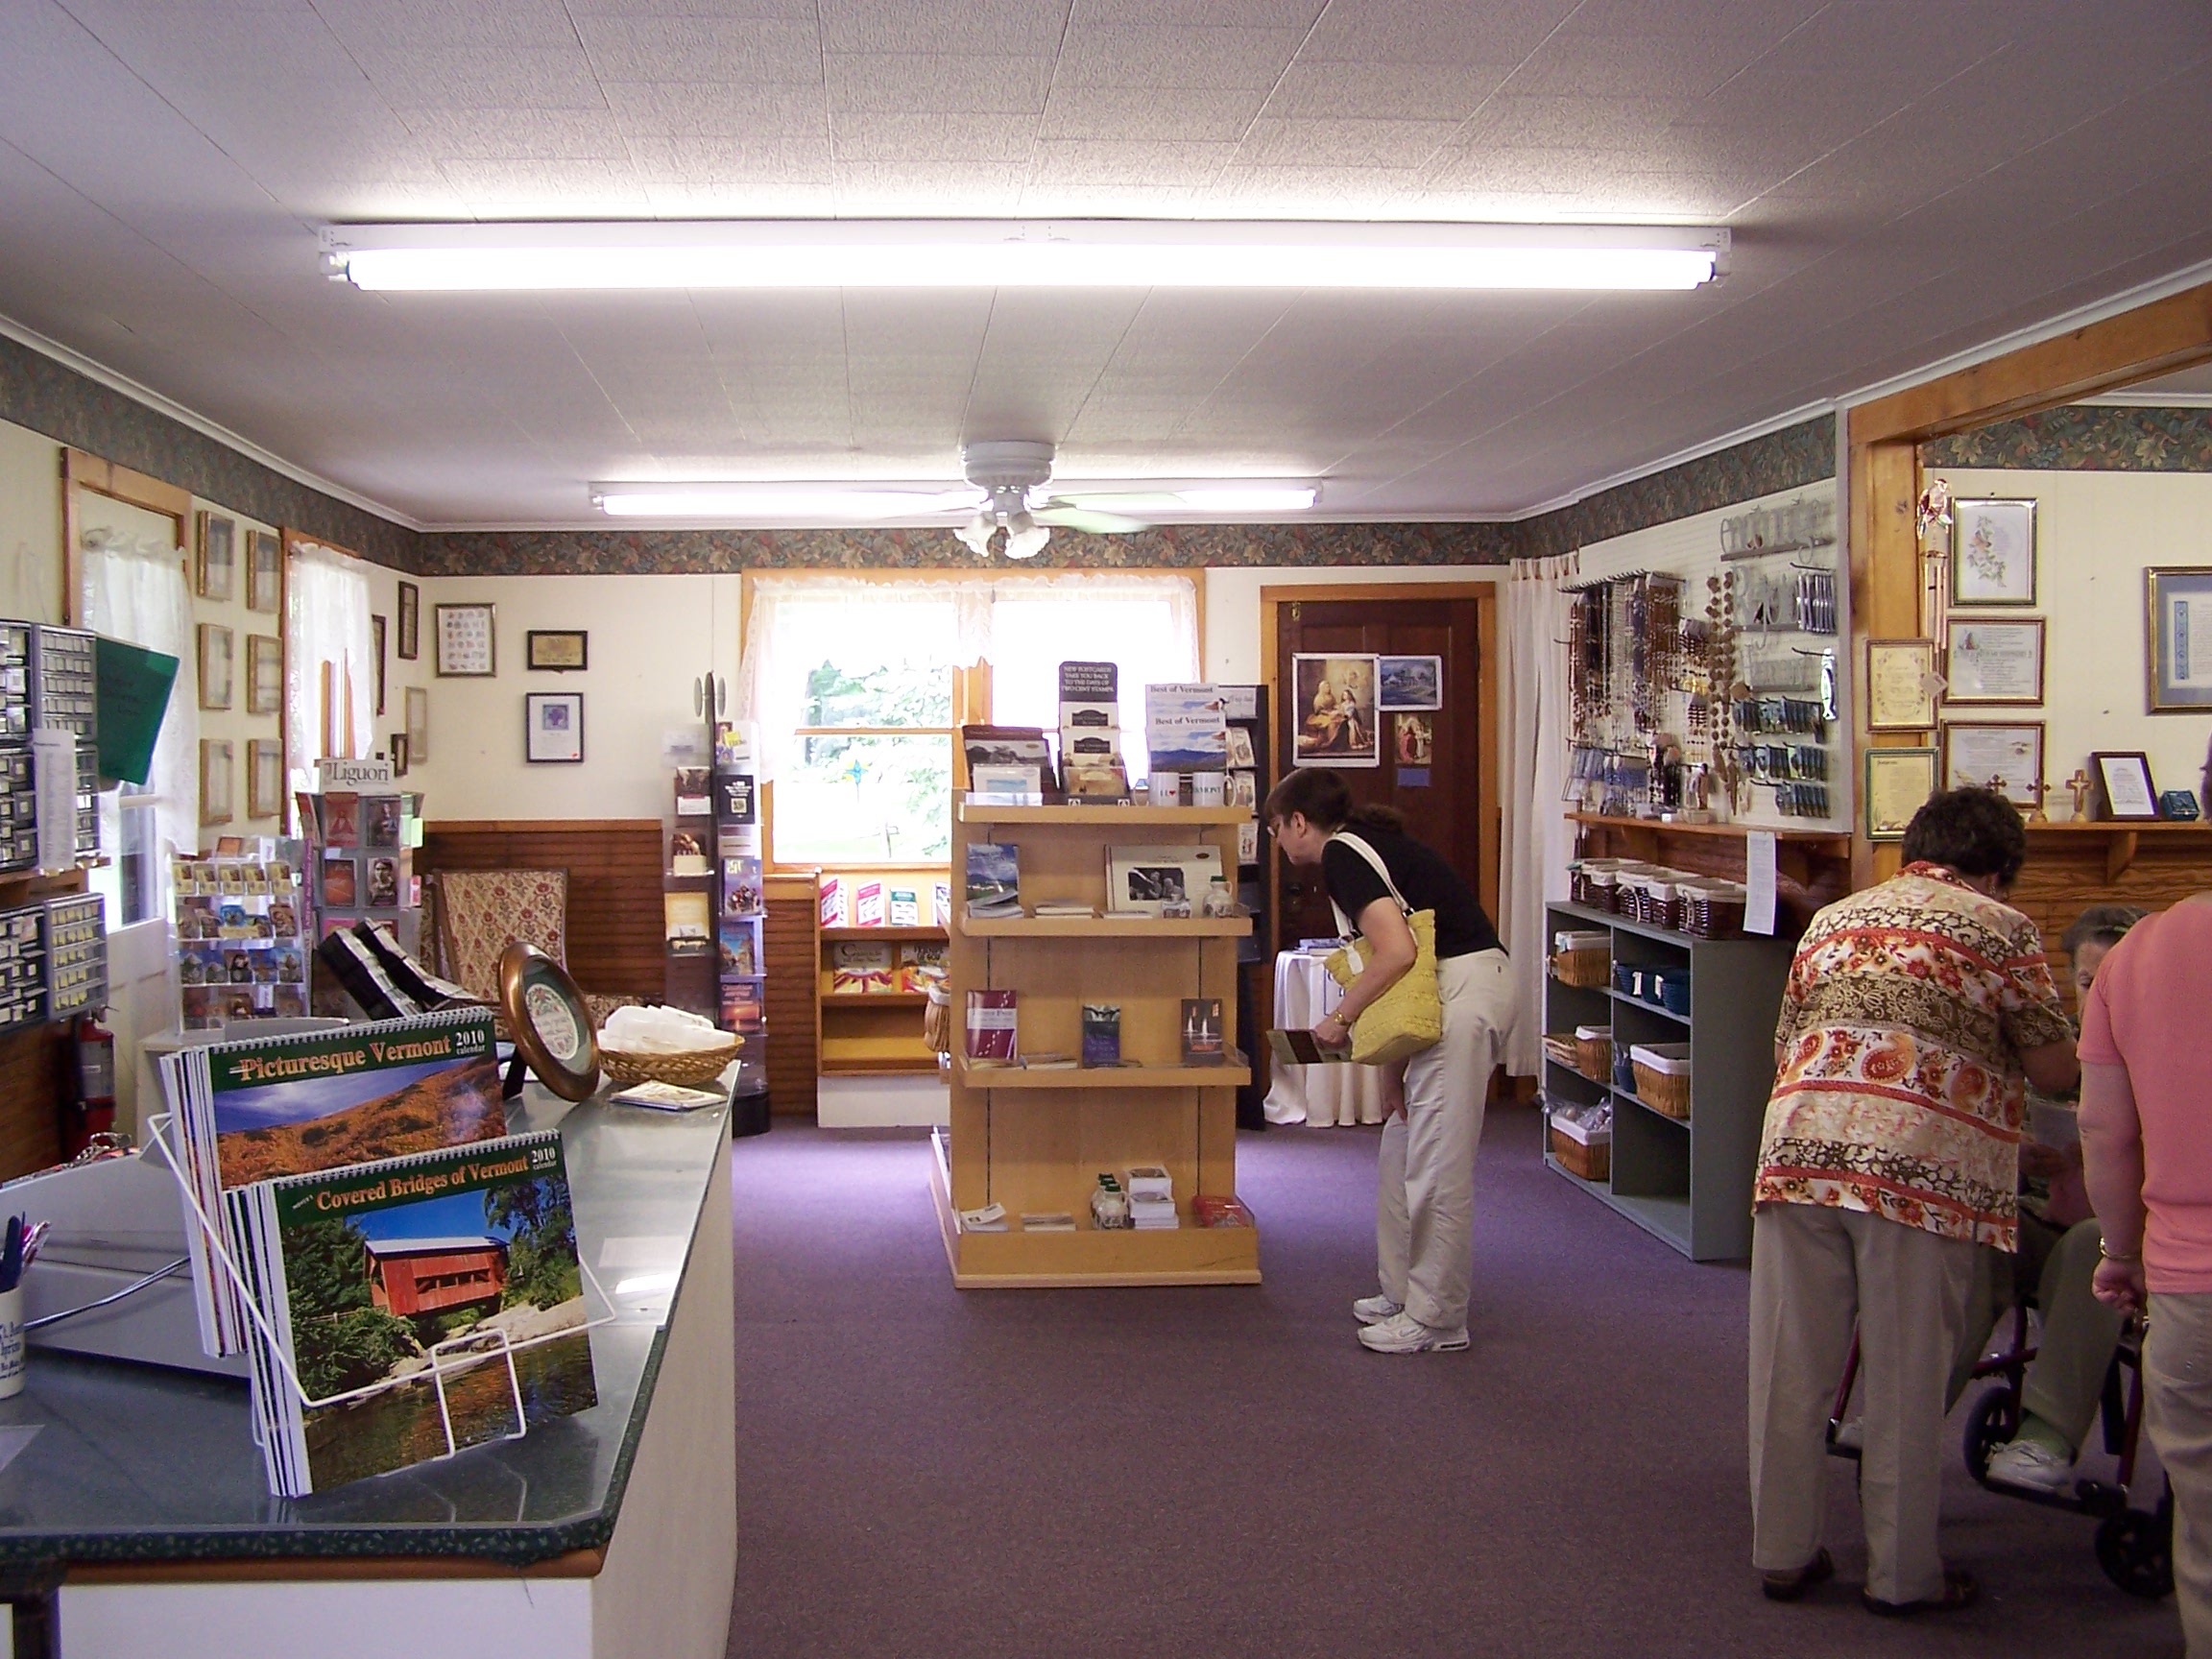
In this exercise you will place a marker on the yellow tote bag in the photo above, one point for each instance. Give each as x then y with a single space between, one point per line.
1409 1016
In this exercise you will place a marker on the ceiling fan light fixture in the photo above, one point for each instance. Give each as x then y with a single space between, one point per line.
1027 541
977 533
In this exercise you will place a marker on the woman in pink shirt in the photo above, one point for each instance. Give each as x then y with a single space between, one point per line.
2146 1157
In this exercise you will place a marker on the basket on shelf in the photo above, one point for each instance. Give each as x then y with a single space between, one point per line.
1594 1052
1591 1160
686 1068
1561 1047
1712 910
1583 959
1662 1071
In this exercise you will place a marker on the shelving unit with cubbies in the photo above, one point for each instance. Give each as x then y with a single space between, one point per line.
1687 1181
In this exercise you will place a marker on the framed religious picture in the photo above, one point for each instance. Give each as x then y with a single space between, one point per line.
2006 756
215 781
465 642
264 674
1335 720
409 622
376 652
215 665
2178 609
264 778
417 701
553 728
1993 552
1994 659
264 571
1409 683
1900 686
218 562
1898 781
556 650
2124 791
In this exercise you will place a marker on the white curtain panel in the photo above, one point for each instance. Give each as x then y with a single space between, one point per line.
1538 843
327 621
134 590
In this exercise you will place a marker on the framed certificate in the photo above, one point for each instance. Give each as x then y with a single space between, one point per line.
465 642
1900 686
2124 792
1995 659
2007 757
1898 781
2179 605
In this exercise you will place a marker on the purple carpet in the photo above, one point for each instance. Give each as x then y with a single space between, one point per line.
929 1472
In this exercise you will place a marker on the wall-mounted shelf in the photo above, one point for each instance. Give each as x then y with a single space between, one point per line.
1104 926
1812 866
2122 841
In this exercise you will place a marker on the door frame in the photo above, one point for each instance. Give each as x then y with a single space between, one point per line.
1489 821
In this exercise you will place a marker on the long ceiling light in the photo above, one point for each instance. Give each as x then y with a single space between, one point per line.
861 504
1057 253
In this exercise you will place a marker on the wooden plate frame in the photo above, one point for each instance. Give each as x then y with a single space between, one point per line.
525 969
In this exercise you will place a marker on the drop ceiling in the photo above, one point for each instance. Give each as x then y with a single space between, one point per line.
1904 181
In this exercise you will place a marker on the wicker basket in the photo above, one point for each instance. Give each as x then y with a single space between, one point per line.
692 1068
1594 1055
1663 1076
1587 962
1561 1048
1589 1159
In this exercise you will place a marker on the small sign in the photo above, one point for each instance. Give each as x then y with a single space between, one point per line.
1412 776
342 774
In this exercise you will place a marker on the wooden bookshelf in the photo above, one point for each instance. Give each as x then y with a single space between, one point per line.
875 1033
1036 1141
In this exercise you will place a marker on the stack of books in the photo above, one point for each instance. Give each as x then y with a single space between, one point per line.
1151 1198
1091 768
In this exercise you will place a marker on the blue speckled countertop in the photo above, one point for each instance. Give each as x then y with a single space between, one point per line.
135 1463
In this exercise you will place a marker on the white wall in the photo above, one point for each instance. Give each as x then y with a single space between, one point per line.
1230 652
2096 534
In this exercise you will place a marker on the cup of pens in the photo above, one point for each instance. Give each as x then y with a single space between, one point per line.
17 1253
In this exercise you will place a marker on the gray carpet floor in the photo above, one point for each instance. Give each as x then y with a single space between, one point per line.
927 1472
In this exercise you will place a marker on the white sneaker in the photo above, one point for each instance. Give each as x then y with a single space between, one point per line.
1374 1310
2031 1465
1402 1333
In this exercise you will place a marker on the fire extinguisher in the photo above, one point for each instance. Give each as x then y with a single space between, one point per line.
89 1076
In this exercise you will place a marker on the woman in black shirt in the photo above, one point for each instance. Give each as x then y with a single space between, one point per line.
1425 1191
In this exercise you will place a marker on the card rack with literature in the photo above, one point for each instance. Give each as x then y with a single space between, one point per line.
1255 980
1035 1138
245 937
22 967
691 893
737 894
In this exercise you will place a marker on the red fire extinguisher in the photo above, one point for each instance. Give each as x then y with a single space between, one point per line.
89 1076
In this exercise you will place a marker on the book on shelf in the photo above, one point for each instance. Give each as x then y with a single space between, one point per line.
1148 1181
835 901
1101 1034
744 1008
994 878
741 891
1161 881
398 1293
941 904
868 904
860 968
990 1219
1048 1221
687 854
658 1096
906 908
921 964
1063 908
1153 1214
1186 728
1049 1060
686 922
737 946
991 1026
736 801
1202 1043
1209 1210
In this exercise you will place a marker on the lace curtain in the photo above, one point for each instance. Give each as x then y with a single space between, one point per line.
134 589
326 624
1538 838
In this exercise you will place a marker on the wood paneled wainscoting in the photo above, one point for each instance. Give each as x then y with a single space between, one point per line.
613 865
2072 866
792 946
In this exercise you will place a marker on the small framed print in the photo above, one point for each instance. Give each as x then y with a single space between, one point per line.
395 746
1409 683
556 650
264 674
1994 659
377 650
553 728
215 806
409 644
417 701
1993 552
264 778
264 571
1900 686
2179 606
215 665
218 562
1898 783
2005 755
465 642
1335 723
2124 793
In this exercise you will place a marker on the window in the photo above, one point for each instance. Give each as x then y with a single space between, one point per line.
849 683
330 669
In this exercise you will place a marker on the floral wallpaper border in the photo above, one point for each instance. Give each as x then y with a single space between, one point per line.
2085 438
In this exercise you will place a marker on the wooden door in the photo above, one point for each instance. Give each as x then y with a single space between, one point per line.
1446 802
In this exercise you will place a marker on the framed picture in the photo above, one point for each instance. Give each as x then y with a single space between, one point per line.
1414 737
1995 661
553 727
1409 683
395 746
264 571
2177 602
1898 781
465 642
264 674
410 622
215 665
377 650
215 781
1900 686
264 778
1993 552
2008 756
218 562
1337 723
556 650
418 700
2124 792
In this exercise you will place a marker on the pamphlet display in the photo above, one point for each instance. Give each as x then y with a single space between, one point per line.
243 931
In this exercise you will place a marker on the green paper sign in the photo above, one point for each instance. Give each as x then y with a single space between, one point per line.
133 692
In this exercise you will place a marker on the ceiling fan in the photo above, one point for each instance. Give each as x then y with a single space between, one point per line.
1011 471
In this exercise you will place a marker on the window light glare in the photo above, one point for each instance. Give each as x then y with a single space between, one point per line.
1263 498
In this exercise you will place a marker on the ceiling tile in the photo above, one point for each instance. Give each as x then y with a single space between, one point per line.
1162 60
965 28
924 84
1215 116
1427 91
717 50
1337 142
864 135
483 77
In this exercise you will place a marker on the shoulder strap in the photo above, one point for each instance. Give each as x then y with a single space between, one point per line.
1358 844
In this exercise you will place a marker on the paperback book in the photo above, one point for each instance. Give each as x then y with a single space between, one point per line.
991 1027
1101 1034
994 878
1202 1043
860 968
739 947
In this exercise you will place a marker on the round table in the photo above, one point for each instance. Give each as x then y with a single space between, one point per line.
1321 1096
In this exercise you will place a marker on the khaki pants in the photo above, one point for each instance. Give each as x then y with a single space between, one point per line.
2177 1411
1813 1270
1424 1181
2074 1352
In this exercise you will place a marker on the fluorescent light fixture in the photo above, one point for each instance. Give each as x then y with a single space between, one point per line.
1247 498
839 501
1021 254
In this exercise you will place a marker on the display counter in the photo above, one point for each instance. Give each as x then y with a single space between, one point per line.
609 1532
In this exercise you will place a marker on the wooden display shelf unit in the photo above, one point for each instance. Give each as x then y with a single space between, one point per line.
875 1033
1036 1142
2121 839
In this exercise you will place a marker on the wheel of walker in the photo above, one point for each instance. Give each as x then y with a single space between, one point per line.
2136 1550
1988 1425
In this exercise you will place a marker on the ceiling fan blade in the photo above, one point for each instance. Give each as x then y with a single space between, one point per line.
1085 518
1119 501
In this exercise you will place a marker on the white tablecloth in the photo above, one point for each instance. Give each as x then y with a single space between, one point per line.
1320 1096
